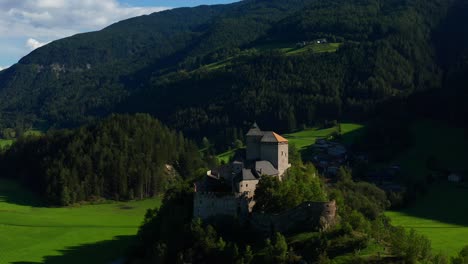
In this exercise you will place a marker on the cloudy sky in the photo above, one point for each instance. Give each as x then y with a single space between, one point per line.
28 24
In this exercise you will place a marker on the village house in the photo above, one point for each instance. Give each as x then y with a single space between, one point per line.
329 156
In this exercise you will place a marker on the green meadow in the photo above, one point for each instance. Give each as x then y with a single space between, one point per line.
5 142
314 48
442 213
31 233
9 142
292 49
226 156
288 49
306 138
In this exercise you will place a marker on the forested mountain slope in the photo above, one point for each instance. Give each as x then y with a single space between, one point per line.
160 64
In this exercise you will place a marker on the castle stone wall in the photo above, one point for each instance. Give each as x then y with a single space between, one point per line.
253 147
248 187
269 152
206 205
283 158
307 216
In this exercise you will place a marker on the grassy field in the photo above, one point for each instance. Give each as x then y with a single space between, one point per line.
8 142
33 132
289 49
226 156
5 142
292 49
314 48
30 233
306 138
441 215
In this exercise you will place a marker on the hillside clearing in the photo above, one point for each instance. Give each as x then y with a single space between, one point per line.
305 138
288 49
86 234
5 142
293 49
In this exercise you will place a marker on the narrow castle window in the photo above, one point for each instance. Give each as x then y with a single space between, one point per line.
246 185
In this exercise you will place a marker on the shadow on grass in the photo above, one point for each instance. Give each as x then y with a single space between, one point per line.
108 251
12 192
443 202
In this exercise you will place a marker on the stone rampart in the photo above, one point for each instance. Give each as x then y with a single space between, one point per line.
210 204
307 216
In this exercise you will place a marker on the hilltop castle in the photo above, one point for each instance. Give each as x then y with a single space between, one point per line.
229 189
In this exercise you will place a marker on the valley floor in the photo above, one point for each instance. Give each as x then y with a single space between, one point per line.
30 233
441 215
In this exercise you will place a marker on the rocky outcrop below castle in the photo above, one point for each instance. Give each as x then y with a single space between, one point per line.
317 216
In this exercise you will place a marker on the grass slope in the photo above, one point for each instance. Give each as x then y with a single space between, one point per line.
226 156
5 142
314 48
441 215
305 138
87 234
288 49
8 142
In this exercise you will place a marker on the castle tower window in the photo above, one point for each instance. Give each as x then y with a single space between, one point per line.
246 185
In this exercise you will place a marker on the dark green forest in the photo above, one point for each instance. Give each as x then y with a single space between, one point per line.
159 64
120 158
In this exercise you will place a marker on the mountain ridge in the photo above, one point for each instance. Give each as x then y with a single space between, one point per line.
146 64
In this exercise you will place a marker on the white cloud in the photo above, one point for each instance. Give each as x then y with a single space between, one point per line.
37 22
33 44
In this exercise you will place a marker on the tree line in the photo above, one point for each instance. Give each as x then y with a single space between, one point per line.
122 157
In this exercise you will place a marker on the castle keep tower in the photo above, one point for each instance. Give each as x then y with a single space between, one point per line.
253 138
268 146
274 148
